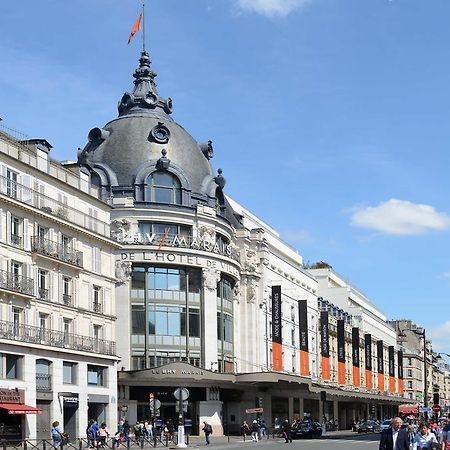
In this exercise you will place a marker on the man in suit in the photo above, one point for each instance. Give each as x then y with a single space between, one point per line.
394 437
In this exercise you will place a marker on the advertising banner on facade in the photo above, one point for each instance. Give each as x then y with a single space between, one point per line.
277 339
380 364
325 345
391 361
303 330
368 359
400 371
341 350
355 357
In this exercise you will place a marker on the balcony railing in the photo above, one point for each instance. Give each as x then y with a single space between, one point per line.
43 382
56 250
16 240
67 299
16 283
59 339
43 293
97 307
51 206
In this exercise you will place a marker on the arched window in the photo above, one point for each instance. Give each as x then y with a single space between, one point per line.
163 187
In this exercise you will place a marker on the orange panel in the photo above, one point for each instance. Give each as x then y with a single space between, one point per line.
369 384
277 352
356 375
341 372
400 386
391 384
381 382
304 363
325 368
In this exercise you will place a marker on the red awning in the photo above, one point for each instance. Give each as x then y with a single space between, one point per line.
408 409
20 408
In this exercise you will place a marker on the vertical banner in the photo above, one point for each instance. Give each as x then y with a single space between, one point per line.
391 361
303 329
400 371
368 359
380 364
277 347
325 345
355 357
341 350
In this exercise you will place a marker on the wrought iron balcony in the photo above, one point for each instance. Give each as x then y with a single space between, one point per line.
16 240
52 338
16 283
43 382
55 250
67 299
97 307
43 293
51 206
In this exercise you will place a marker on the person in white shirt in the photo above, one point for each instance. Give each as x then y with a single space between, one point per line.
424 438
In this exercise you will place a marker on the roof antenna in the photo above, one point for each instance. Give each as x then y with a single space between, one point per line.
143 26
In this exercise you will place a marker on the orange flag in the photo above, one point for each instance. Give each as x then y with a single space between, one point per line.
136 28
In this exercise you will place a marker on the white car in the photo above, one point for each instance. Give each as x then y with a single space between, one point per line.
385 424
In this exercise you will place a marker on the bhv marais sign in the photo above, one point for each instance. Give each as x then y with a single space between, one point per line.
185 259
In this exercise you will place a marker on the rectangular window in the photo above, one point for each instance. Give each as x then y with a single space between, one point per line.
138 320
67 329
409 361
16 231
67 290
17 315
96 375
43 284
11 183
410 384
97 299
410 373
69 372
13 366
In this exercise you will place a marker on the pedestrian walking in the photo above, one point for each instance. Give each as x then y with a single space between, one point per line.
394 437
287 432
255 431
245 429
102 434
424 438
207 429
56 434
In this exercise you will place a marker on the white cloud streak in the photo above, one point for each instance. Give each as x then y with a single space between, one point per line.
400 217
271 8
440 335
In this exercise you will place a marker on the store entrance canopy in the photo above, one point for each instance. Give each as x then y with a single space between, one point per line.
20 408
408 409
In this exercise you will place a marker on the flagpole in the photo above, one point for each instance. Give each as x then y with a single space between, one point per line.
143 26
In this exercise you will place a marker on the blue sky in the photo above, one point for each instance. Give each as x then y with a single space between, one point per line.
330 119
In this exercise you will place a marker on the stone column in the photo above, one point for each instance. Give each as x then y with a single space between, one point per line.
301 408
335 410
291 409
210 279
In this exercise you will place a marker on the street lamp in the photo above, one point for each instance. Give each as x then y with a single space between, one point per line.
420 332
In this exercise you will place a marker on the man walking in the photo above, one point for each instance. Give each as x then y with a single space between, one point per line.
394 437
207 429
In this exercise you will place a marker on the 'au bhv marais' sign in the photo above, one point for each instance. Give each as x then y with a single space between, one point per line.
206 245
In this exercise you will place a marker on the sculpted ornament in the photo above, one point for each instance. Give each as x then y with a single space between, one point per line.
251 291
123 271
207 234
251 261
210 279
119 228
237 291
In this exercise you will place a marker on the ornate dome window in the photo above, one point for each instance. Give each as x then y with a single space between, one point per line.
163 187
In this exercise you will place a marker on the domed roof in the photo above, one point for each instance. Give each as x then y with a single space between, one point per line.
143 131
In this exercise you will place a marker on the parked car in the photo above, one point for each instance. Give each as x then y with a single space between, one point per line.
306 430
385 424
369 426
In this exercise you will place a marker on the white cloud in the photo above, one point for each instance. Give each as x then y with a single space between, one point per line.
440 336
297 236
400 217
270 8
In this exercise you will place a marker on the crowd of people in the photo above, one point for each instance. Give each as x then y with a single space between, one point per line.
416 436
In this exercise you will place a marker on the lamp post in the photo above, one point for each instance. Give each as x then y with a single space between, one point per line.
421 332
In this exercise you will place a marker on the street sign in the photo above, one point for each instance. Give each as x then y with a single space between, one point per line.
254 410
154 404
181 392
418 396
436 408
425 410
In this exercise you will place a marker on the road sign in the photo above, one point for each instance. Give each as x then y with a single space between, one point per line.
425 410
418 396
154 404
436 408
254 410
181 394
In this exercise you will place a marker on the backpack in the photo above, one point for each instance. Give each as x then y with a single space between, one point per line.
208 428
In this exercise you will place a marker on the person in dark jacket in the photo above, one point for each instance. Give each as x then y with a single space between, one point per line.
287 432
394 437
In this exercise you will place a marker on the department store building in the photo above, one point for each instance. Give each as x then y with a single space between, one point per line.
208 296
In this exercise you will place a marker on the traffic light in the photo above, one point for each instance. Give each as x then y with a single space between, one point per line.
436 398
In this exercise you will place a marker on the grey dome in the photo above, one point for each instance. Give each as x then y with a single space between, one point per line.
123 152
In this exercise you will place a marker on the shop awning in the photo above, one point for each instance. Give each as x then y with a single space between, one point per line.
20 408
408 409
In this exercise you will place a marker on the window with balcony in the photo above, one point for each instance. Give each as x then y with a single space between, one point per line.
409 361
67 330
43 291
97 299
11 366
67 290
11 183
41 233
43 325
96 375
69 372
43 375
410 385
16 231
410 373
17 320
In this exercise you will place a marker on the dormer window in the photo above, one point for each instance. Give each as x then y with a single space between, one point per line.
163 187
